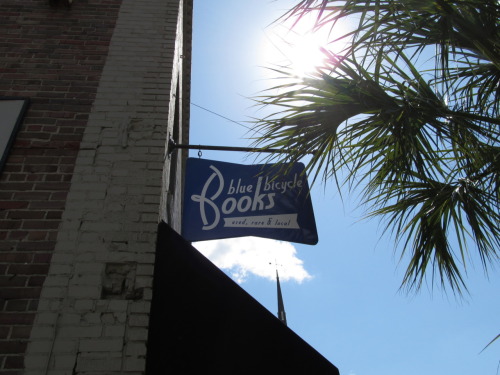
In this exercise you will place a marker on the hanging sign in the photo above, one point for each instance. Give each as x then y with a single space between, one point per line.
224 200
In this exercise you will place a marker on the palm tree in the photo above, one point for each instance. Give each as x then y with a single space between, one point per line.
408 113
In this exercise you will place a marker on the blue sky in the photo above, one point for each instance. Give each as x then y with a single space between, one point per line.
341 296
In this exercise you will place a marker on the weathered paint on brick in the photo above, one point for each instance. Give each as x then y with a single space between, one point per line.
88 178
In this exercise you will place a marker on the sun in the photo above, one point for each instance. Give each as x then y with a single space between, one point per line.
305 53
298 47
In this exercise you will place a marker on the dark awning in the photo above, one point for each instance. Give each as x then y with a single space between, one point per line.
202 322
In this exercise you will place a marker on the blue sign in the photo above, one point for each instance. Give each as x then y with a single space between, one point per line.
224 200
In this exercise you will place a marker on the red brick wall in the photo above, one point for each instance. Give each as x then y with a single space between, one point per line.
53 55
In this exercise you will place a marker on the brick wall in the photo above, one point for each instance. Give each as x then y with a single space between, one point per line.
88 178
54 56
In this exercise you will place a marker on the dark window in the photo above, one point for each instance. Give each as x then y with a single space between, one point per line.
12 111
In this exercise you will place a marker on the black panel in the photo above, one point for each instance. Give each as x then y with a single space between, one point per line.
204 323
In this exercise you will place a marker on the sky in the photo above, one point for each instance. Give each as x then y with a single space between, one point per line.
343 295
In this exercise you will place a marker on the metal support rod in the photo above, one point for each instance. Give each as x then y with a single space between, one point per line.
172 146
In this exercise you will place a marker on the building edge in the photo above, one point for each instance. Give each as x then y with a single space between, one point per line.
93 311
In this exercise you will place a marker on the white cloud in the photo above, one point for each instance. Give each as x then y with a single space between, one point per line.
253 255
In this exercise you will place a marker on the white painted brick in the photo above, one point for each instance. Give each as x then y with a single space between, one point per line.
119 305
84 161
46 318
156 166
100 227
79 332
86 257
49 305
101 305
86 154
91 318
95 195
77 291
144 269
121 317
140 307
71 319
64 361
61 372
89 186
116 190
138 320
60 264
144 247
108 318
101 345
114 331
90 237
66 346
66 247
53 292
135 349
41 346
69 225
33 362
117 257
151 208
134 364
144 282
120 172
75 196
137 334
84 305
152 218
147 294
87 280
98 365
57 280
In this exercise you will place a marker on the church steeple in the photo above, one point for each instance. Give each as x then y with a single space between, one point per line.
281 306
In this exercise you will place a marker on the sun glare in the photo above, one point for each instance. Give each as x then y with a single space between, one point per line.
298 47
305 54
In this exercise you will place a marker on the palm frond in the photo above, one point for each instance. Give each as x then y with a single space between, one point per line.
423 147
